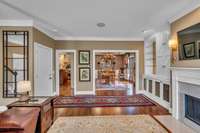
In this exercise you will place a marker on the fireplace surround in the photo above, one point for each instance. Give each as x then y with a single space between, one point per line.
186 93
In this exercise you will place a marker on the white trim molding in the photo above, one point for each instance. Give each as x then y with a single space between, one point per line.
52 34
16 23
137 90
58 51
27 23
70 38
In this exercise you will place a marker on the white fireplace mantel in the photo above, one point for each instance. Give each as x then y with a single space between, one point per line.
185 75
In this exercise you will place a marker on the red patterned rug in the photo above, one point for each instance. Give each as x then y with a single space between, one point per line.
102 101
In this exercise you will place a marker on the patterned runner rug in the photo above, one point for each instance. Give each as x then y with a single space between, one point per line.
102 101
108 124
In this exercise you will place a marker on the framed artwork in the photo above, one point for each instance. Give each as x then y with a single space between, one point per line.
84 74
84 57
189 50
198 48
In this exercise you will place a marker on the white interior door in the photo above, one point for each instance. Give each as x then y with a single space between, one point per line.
43 71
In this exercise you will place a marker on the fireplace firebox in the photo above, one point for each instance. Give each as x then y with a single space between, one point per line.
192 108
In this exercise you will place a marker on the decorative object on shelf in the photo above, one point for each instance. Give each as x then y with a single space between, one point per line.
23 88
189 50
84 57
84 74
173 47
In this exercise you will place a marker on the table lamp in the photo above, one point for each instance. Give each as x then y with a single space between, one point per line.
23 88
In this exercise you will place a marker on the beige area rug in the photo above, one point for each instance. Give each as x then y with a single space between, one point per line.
107 124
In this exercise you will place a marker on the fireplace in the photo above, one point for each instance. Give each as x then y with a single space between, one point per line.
192 108
186 96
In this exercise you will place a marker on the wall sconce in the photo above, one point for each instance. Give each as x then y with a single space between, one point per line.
173 44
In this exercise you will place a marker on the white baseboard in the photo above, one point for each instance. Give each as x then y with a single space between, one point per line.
140 92
158 100
85 93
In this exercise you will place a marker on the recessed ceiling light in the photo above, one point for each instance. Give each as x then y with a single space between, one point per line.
101 24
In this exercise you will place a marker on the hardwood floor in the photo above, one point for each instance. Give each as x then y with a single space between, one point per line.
65 88
96 111
151 110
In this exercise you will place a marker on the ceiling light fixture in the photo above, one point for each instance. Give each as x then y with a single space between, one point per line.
100 25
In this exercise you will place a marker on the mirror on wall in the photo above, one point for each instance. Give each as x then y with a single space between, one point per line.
189 43
15 60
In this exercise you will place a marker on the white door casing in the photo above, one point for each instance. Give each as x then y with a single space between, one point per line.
137 74
43 70
58 52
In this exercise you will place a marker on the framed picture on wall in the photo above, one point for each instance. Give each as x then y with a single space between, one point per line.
84 74
198 48
84 57
189 50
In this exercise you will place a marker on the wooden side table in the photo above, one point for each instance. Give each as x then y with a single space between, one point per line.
45 119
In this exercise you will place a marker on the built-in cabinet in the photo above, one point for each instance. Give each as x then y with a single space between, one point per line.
157 90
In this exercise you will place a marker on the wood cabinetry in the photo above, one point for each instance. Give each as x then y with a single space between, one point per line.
46 111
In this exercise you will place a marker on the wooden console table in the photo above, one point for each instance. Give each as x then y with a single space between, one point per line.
45 119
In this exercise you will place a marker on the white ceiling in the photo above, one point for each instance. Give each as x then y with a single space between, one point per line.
75 19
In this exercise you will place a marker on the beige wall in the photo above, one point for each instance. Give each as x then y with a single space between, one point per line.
42 38
34 36
39 37
180 24
100 45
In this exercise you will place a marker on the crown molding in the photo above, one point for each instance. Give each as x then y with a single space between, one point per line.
45 27
98 39
184 12
31 23
24 23
16 22
43 30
